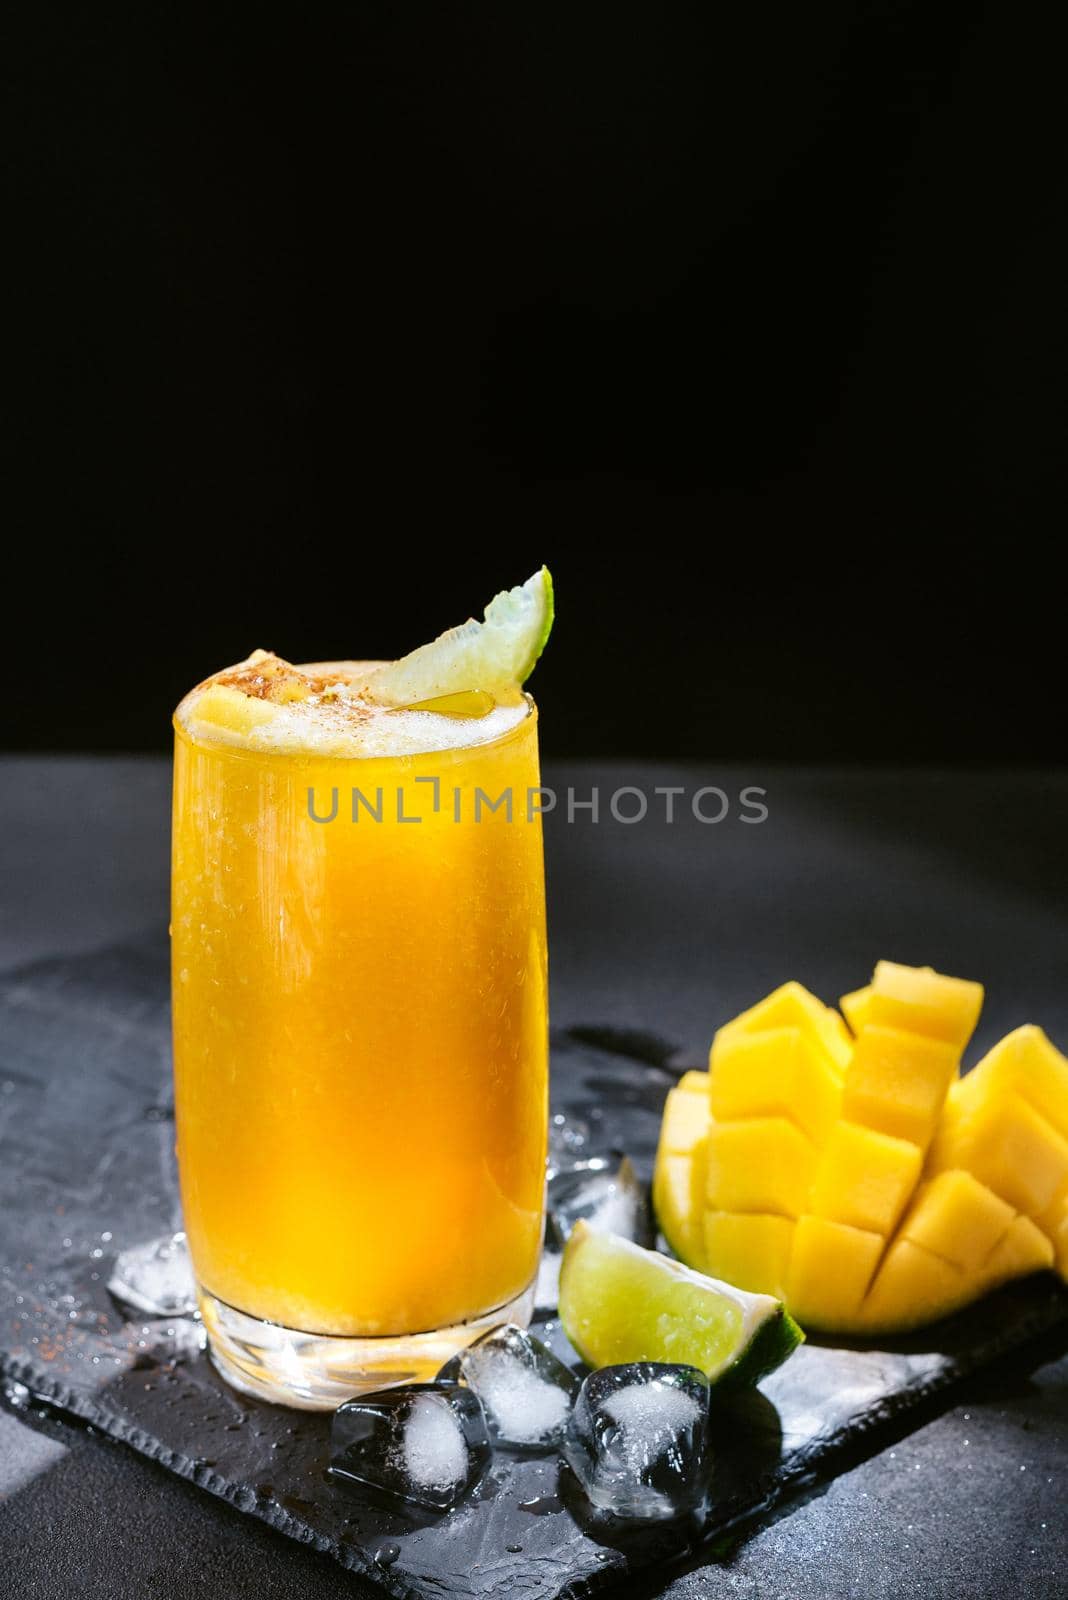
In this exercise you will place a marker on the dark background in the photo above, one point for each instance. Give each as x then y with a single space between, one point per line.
744 319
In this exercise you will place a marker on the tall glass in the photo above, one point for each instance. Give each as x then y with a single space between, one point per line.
360 1054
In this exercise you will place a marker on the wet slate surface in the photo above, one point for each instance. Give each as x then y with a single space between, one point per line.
86 1169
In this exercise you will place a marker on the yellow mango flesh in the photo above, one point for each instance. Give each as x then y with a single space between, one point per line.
791 1006
750 1245
868 1185
223 707
777 1073
912 1286
1024 1063
865 1178
854 1007
1023 1248
1011 1148
831 1266
922 1001
896 1082
958 1218
1054 1224
679 1175
764 1164
685 1119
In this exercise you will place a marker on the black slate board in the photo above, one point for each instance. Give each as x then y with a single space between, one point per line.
86 1169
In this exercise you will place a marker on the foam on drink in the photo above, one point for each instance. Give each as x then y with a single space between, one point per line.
328 708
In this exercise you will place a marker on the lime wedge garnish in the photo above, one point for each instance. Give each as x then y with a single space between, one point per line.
496 654
465 703
621 1303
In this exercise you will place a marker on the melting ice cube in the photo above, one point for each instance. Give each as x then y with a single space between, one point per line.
156 1277
526 1392
636 1438
547 1288
426 1443
615 1202
569 1137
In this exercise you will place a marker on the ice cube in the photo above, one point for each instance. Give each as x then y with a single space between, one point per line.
547 1287
426 1443
526 1392
614 1202
636 1439
156 1277
569 1137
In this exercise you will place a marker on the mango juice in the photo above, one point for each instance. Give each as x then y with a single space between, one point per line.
360 1011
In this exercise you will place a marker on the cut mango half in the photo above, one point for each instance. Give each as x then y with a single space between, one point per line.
851 1171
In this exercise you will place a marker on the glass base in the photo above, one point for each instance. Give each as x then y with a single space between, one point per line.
315 1372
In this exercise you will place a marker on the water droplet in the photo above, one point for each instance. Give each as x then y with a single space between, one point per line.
514 1549
385 1555
542 1505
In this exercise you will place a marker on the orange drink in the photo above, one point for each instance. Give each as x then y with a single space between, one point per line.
360 1023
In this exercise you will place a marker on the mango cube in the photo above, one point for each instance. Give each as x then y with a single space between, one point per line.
778 1073
791 1006
920 1000
1022 1248
897 1082
865 1178
831 1266
747 1250
1054 1224
679 1202
1010 1148
764 1165
913 1286
855 1006
693 1082
1023 1063
223 707
685 1116
679 1176
957 1217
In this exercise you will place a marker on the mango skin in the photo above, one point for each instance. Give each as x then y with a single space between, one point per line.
868 1185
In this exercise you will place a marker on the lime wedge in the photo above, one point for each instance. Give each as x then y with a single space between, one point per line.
621 1303
496 654
470 703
